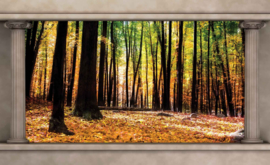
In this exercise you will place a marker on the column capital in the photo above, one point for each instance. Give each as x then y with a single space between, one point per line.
18 25
252 24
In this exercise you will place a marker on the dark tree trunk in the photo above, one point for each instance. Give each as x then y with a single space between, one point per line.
57 123
72 79
165 105
31 55
45 72
227 84
201 71
174 106
101 64
168 96
208 70
128 44
194 79
243 74
180 69
106 77
223 103
155 97
132 101
86 104
137 93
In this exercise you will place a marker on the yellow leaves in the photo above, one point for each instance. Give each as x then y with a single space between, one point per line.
132 127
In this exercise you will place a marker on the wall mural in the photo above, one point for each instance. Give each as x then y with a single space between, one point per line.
135 82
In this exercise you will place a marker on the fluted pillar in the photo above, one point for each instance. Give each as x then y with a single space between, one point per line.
252 133
18 80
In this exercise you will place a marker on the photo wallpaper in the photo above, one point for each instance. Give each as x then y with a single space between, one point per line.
135 82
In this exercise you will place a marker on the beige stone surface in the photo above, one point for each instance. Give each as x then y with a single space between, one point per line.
147 17
134 157
134 6
235 10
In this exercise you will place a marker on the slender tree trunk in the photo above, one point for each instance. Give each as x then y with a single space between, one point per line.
86 104
243 74
227 85
45 72
114 64
127 43
106 76
174 89
146 103
110 83
194 99
208 70
70 89
201 71
136 70
180 69
101 64
168 98
57 123
32 55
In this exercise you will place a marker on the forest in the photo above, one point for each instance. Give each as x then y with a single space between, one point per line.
134 81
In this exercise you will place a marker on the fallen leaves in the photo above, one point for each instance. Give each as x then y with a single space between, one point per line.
132 127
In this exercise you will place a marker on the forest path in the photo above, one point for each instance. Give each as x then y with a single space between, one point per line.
131 127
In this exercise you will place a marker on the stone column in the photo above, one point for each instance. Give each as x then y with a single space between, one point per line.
18 80
252 133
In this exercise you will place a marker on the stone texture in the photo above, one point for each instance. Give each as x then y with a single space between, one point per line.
131 6
18 80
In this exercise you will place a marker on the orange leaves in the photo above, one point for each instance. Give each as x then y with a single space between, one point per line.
132 127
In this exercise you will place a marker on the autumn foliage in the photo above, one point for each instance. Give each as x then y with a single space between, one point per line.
131 127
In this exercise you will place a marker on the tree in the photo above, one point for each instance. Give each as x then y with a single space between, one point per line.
72 79
57 123
31 53
194 79
132 101
208 70
101 64
113 46
179 69
169 68
86 103
227 84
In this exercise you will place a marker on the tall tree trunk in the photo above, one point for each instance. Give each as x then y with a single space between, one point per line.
72 79
208 70
201 71
114 64
132 101
243 74
146 103
155 98
57 123
86 104
194 79
227 85
32 55
101 64
128 44
180 69
168 98
174 93
106 76
110 85
45 72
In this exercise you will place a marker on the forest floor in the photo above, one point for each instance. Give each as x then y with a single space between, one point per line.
131 127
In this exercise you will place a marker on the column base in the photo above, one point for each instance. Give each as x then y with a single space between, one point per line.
252 141
17 141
